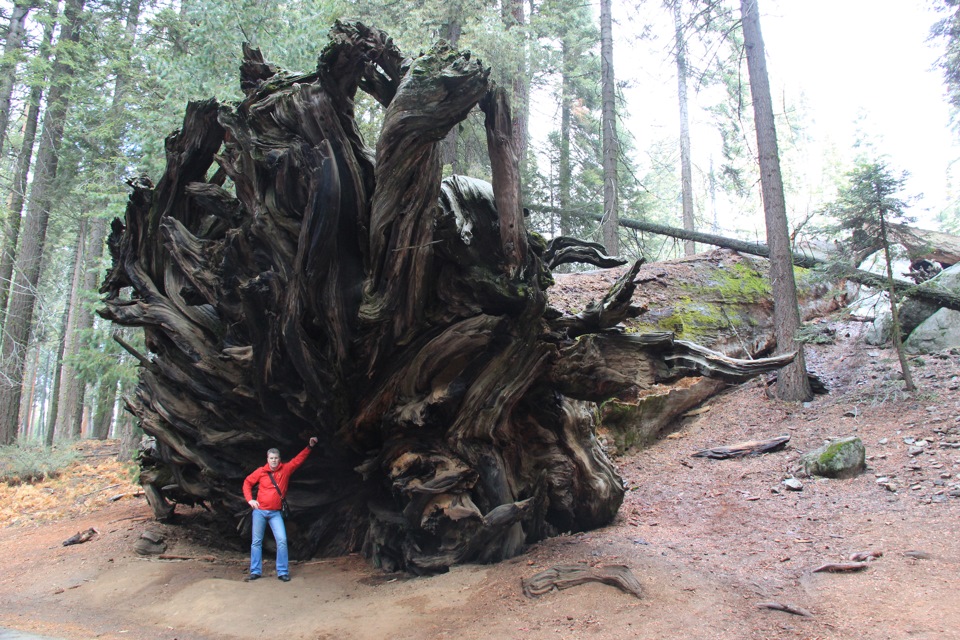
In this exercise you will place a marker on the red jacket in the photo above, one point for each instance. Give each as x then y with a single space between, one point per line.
266 493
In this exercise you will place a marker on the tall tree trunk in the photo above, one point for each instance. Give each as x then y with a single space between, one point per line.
792 383
894 304
520 102
29 259
611 144
686 171
103 412
453 30
70 386
18 190
32 373
87 259
11 54
565 169
53 432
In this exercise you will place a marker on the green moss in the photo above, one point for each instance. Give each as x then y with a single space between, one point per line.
693 319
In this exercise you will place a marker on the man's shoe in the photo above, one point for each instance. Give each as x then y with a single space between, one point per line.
252 577
283 578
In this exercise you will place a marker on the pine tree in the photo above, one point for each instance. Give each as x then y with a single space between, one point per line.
865 205
792 383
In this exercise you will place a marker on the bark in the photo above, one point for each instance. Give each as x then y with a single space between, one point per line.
11 223
27 267
11 54
611 144
398 317
520 100
792 382
103 414
453 31
57 376
565 168
894 306
686 171
69 387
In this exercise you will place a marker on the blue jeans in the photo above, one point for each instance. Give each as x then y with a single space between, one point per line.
260 519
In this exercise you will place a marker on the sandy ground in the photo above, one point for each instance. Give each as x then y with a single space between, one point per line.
709 540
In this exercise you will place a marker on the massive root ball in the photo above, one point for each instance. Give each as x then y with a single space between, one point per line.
291 282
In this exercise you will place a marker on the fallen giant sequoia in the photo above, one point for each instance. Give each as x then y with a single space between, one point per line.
356 296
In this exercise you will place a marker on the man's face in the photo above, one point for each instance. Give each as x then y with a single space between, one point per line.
273 459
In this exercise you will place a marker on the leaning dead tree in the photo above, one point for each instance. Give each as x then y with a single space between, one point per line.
292 282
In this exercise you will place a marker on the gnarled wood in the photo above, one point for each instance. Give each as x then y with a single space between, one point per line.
326 290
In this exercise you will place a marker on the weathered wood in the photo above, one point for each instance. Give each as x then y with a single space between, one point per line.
566 576
750 447
786 608
840 567
355 295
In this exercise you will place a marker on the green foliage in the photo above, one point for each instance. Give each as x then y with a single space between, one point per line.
865 203
31 463
948 30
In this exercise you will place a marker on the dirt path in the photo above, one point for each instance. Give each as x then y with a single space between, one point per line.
707 539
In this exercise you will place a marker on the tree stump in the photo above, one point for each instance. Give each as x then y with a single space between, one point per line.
291 282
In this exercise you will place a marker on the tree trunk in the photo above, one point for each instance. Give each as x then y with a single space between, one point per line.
611 144
453 29
18 190
520 106
12 51
104 410
399 317
565 170
686 171
70 396
933 295
894 305
27 270
792 382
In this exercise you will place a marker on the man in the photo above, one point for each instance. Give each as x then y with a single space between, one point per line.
266 508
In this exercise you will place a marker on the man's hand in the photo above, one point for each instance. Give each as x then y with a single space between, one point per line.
253 504
313 442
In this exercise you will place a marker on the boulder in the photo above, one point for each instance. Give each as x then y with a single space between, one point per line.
938 332
840 458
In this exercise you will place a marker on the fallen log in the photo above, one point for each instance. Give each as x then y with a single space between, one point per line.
932 294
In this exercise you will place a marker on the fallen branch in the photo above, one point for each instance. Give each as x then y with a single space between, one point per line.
80 537
841 567
743 448
87 495
566 576
788 608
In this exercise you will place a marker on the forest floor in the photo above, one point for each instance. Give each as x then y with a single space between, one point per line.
709 541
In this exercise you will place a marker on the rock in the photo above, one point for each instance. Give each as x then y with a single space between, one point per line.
146 547
914 451
840 458
940 331
793 484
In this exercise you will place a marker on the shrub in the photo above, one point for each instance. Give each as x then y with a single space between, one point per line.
32 463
